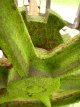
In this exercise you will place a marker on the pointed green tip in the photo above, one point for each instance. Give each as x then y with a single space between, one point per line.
45 100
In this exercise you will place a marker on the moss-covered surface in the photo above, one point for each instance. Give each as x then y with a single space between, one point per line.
34 87
34 75
44 30
61 62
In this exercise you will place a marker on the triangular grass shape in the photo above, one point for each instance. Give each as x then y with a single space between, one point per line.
45 100
31 88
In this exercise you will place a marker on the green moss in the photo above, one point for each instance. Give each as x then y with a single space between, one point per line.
44 30
17 44
14 38
60 63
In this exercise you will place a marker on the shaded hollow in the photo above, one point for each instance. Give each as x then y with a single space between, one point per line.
44 30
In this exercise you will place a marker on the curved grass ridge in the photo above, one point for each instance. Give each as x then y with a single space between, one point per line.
63 61
14 37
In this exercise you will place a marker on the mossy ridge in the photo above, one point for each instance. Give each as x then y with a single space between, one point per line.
54 65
